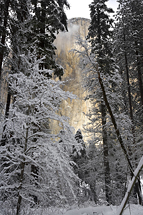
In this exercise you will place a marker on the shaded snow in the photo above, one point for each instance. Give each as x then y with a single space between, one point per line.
91 211
106 210
98 210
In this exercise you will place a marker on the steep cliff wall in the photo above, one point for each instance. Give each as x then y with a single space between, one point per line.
65 42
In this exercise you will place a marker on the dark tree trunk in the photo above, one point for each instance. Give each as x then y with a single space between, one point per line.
104 130
3 38
129 96
128 83
118 132
93 190
7 104
139 74
22 175
125 200
137 187
4 138
106 159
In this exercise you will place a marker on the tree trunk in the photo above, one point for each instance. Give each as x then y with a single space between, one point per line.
105 153
93 190
3 38
4 138
117 131
35 171
129 96
137 187
129 90
22 175
139 74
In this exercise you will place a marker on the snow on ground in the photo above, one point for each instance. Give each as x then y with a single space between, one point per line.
106 210
90 210
99 210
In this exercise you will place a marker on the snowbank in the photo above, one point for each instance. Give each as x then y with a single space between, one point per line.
99 210
106 210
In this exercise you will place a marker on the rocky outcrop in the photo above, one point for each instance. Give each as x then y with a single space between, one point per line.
67 58
65 42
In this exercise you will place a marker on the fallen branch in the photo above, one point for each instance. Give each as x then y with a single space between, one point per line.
130 187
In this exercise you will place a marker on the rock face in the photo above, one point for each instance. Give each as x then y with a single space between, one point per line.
65 42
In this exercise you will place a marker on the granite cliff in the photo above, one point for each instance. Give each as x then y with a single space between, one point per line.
65 42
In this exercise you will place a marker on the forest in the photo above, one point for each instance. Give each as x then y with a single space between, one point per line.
40 169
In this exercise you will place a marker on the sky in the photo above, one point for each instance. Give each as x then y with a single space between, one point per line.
80 8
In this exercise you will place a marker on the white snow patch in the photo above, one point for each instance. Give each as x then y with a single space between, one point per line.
106 210
97 210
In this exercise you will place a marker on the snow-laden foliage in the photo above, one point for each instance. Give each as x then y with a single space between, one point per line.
128 40
110 121
112 85
34 163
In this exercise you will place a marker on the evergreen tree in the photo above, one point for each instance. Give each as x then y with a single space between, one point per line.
36 102
128 43
78 161
99 36
129 54
49 18
79 154
94 170
21 14
29 150
108 86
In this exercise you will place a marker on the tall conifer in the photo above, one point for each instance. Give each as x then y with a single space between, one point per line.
99 36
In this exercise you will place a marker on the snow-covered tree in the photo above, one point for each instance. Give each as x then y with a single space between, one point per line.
128 42
18 13
78 154
36 101
104 83
110 85
34 163
48 19
78 161
128 55
99 36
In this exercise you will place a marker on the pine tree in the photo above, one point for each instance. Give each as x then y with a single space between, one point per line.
33 161
127 33
110 85
21 13
99 36
79 154
93 176
49 18
37 100
78 161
